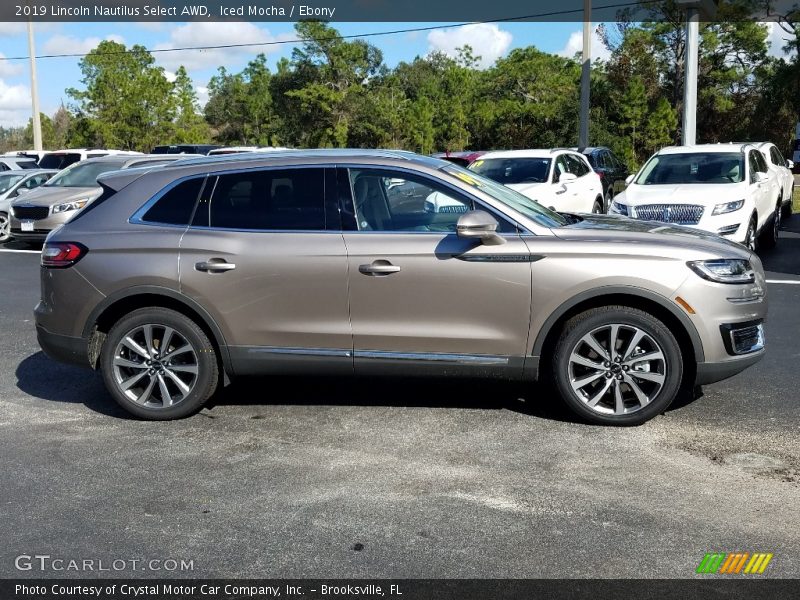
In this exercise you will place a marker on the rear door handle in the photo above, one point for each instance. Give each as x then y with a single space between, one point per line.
378 268
215 265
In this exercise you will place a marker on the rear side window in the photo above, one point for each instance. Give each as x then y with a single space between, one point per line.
175 207
275 200
27 164
58 161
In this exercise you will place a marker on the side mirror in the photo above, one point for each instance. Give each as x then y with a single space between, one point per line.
789 164
629 179
22 190
479 225
760 176
567 177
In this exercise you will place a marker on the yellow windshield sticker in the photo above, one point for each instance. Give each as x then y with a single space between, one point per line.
477 163
466 178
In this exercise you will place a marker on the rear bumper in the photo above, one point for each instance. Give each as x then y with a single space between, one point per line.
711 372
63 348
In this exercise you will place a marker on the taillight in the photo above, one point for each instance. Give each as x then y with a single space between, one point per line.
60 255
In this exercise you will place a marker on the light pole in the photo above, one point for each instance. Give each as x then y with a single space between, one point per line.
690 57
37 122
586 67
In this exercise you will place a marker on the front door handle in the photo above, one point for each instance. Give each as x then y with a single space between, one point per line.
215 265
378 268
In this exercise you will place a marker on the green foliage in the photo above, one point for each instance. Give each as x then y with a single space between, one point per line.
127 99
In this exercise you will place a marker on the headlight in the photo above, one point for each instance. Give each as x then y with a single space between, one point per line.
726 207
619 209
74 205
724 270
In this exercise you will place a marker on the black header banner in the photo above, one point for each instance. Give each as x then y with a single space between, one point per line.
398 589
387 10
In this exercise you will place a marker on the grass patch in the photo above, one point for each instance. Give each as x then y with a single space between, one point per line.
796 200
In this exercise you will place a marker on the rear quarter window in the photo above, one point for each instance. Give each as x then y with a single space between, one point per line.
175 207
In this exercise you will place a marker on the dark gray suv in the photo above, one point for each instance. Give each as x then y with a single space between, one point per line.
325 262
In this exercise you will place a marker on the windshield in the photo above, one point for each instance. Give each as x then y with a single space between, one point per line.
8 181
706 167
59 160
523 205
513 170
82 174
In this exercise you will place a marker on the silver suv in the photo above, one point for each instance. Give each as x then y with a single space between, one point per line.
332 262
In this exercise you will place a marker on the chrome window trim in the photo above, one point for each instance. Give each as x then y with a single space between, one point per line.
472 359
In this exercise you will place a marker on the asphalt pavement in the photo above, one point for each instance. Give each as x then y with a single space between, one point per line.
304 477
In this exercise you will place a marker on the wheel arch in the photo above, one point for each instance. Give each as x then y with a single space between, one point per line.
108 312
655 304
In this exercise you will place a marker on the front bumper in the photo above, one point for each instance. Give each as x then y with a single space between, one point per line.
711 372
41 227
63 348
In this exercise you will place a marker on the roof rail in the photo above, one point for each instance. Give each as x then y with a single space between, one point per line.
560 149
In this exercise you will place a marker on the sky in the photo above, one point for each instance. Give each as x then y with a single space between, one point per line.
488 40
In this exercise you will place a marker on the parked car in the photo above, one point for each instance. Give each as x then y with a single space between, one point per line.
42 210
561 179
14 184
782 169
61 159
229 266
612 171
726 189
16 163
201 149
462 159
34 154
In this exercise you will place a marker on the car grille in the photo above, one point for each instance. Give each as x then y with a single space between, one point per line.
31 212
682 214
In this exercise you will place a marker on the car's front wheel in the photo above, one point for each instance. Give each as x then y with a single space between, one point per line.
158 364
5 227
597 207
617 365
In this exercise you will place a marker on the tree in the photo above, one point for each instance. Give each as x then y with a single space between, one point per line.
126 99
189 127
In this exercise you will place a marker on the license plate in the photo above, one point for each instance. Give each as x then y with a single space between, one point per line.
27 225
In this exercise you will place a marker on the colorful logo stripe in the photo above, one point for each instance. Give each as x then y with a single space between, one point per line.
734 563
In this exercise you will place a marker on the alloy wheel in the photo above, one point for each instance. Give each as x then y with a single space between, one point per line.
750 236
776 222
155 366
5 227
617 369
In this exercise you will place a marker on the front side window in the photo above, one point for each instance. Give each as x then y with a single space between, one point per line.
513 170
560 168
267 200
396 201
693 168
576 165
175 207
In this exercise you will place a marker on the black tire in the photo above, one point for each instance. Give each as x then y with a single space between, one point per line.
787 208
750 236
630 320
770 234
597 207
204 360
608 200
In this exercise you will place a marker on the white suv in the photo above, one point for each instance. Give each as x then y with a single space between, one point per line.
783 170
561 179
726 189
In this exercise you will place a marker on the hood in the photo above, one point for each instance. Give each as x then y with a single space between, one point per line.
50 196
685 193
526 189
651 237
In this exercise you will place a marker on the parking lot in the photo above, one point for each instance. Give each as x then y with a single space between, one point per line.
303 477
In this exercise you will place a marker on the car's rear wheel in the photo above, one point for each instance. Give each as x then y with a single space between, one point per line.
158 364
617 365
769 237
5 227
